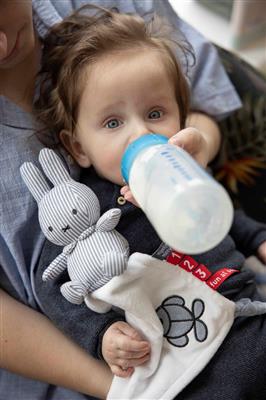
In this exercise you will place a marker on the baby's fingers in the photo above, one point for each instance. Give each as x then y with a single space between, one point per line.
122 373
128 196
262 252
128 345
192 140
133 362
129 355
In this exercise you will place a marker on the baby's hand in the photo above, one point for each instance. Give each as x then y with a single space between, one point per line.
194 142
191 140
261 252
123 348
128 196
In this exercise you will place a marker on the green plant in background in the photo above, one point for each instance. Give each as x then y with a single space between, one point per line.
243 152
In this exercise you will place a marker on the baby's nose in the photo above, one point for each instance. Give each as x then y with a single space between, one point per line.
138 132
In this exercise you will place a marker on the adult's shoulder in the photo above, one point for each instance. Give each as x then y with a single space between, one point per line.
212 91
50 12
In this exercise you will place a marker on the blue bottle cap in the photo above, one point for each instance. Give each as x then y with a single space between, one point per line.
135 147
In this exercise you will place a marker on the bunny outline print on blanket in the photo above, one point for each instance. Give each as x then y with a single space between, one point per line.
146 286
69 215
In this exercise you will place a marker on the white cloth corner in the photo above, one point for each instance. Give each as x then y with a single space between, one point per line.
184 320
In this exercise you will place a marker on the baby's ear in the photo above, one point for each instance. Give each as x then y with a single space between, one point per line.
74 147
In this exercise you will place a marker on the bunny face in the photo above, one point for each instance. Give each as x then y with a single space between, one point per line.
66 211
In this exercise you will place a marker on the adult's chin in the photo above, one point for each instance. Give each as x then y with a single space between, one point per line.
23 47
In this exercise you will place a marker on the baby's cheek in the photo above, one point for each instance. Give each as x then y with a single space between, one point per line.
109 167
169 129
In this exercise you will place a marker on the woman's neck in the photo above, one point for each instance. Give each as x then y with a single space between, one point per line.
18 83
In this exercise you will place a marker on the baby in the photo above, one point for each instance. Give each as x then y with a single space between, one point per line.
108 79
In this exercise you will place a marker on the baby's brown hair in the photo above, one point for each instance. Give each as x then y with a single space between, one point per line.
80 40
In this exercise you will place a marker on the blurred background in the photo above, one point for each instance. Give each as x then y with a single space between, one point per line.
240 27
236 25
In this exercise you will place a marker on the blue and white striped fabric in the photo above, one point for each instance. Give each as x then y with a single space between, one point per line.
69 216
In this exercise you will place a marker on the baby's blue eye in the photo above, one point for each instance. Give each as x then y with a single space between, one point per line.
112 123
155 114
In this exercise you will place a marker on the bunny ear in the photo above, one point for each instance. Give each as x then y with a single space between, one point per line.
53 167
34 180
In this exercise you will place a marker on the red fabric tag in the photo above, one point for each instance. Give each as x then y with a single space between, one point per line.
202 272
188 263
219 277
174 257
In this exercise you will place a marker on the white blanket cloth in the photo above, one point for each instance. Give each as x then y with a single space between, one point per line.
190 324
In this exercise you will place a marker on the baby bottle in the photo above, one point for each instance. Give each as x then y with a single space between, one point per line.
189 210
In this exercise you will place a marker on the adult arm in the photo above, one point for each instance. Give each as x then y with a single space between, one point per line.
31 346
213 96
80 323
211 89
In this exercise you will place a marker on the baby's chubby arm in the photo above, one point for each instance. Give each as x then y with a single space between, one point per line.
261 252
123 348
201 137
249 235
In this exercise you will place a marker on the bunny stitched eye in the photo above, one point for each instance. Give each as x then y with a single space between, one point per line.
74 211
50 228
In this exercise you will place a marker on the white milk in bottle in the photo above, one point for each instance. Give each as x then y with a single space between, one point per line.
189 210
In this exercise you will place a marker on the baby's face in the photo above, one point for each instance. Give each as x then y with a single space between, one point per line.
126 95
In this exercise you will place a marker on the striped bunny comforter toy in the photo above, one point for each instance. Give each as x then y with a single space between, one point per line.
69 215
